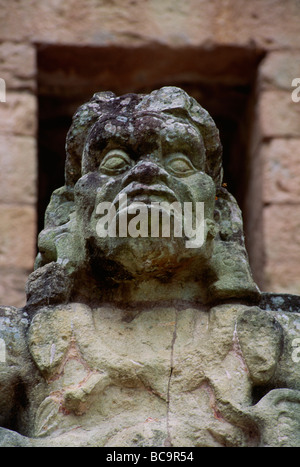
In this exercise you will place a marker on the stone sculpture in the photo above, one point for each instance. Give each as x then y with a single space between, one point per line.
139 340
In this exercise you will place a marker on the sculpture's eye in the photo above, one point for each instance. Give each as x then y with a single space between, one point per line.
115 162
180 165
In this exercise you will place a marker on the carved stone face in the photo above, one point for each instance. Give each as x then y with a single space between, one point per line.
154 148
149 158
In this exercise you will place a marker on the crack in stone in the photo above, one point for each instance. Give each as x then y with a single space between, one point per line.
168 441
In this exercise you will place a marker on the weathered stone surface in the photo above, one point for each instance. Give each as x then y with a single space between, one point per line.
99 23
257 23
281 171
11 439
279 302
136 339
196 22
18 65
12 288
20 383
278 70
18 169
162 376
282 247
17 242
279 115
18 115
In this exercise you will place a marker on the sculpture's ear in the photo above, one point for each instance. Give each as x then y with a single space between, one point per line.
58 222
58 256
230 263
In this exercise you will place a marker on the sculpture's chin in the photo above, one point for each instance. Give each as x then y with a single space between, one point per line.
156 257
152 255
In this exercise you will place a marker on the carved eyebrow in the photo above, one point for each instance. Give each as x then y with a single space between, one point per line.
112 134
192 147
103 143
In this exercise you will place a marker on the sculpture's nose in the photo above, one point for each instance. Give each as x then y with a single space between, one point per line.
145 172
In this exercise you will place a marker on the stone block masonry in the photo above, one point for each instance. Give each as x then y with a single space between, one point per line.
18 169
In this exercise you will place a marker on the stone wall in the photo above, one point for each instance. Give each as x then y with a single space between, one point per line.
269 29
18 167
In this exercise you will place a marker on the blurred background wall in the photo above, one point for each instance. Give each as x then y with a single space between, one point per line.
238 58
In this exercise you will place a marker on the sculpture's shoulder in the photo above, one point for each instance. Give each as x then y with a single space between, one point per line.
13 349
267 339
17 371
285 310
13 326
270 339
13 323
268 336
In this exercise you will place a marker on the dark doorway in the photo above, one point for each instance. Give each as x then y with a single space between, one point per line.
222 80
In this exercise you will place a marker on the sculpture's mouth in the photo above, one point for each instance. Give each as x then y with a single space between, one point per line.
147 194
